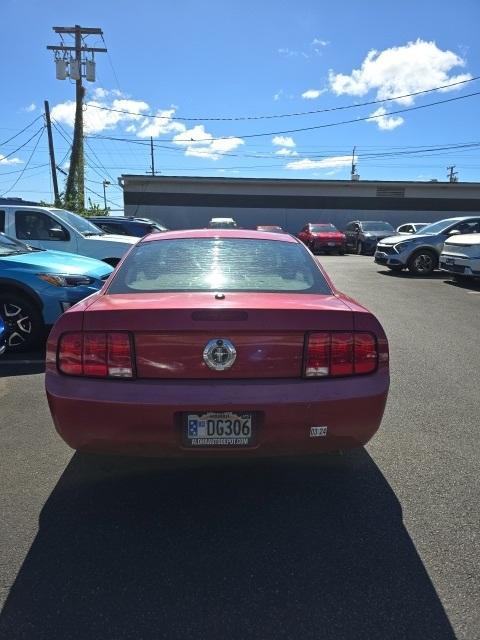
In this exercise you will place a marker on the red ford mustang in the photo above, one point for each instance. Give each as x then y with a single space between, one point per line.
217 342
323 236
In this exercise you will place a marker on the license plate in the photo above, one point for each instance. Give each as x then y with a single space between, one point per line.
218 429
331 244
449 261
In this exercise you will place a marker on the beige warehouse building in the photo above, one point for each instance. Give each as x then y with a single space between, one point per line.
190 202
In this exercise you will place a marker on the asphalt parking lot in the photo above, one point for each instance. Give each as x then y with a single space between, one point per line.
381 543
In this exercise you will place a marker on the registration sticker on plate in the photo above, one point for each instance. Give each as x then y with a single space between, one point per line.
219 429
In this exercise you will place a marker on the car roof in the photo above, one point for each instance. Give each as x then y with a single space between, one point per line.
246 234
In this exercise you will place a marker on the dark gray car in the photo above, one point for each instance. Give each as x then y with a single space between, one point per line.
420 252
362 235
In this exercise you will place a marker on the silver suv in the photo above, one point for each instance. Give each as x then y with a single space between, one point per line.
420 252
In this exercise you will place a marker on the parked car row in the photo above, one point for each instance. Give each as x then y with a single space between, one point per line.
421 252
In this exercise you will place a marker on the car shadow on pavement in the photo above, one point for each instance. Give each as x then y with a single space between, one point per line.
141 549
469 284
22 364
436 275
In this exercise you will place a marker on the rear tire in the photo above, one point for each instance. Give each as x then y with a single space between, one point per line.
423 263
24 321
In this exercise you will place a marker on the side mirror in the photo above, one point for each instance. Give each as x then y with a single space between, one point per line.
57 234
454 232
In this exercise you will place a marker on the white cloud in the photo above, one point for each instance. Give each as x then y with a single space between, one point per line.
161 125
291 53
31 107
198 143
416 66
283 141
195 135
326 163
318 42
4 160
100 93
384 121
281 95
97 120
312 94
285 152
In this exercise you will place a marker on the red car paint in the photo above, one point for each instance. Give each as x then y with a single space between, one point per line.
145 415
322 236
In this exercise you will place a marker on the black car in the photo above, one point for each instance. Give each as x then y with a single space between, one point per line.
363 235
127 226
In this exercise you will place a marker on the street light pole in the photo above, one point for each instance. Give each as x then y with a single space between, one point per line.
105 183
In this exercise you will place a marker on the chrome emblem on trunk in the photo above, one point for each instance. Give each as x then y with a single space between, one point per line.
219 354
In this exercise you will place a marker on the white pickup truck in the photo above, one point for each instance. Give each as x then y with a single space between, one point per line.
61 230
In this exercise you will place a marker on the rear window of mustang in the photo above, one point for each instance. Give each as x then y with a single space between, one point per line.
219 264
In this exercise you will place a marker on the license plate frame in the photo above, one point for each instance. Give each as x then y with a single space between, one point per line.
221 429
331 244
449 261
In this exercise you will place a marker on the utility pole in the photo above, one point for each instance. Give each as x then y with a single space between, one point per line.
452 175
152 156
52 154
105 183
353 173
77 68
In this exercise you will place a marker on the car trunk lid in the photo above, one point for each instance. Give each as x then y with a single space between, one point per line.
172 330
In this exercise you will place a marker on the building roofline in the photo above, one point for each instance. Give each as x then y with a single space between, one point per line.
353 183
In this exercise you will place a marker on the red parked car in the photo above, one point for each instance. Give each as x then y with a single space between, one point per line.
215 343
323 236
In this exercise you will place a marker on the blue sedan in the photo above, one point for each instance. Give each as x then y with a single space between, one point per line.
37 286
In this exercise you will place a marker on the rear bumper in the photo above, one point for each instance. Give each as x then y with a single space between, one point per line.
144 417
328 245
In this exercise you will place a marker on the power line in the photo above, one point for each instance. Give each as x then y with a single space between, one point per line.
111 64
27 163
300 154
99 162
20 132
324 126
24 144
37 166
100 196
285 115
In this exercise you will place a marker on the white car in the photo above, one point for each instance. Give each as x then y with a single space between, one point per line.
411 227
461 256
61 230
222 223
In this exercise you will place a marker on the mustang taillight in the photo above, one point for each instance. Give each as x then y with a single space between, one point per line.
340 353
96 354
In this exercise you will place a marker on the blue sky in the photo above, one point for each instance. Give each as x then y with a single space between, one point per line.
231 59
